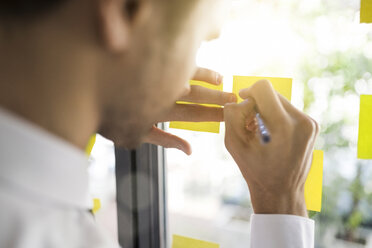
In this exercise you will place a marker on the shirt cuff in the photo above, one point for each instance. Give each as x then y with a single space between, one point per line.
281 231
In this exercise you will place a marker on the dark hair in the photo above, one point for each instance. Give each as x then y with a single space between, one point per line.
29 9
26 9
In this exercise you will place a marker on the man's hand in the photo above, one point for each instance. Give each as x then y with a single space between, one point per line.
275 172
193 112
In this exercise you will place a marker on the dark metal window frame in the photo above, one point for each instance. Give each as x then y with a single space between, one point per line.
141 197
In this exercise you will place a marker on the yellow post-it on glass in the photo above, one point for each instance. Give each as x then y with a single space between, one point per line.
365 127
184 242
281 85
366 11
96 205
211 127
314 183
89 147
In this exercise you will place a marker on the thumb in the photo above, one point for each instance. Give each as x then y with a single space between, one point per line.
167 140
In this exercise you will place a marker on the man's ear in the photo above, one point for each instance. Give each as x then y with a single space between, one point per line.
116 22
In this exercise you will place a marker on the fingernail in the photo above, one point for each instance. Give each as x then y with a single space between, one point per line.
190 151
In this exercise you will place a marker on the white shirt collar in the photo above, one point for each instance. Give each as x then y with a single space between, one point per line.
40 164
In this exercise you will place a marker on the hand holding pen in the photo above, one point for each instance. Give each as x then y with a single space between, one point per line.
276 171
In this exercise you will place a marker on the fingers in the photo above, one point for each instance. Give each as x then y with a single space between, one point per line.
167 140
309 128
199 94
268 102
194 113
251 124
236 116
310 148
208 76
292 110
301 118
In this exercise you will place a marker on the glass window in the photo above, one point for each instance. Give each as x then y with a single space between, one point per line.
322 46
103 184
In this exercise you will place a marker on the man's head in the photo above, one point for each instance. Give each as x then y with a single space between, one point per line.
137 54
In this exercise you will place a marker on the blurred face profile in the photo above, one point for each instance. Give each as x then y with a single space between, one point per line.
140 85
125 61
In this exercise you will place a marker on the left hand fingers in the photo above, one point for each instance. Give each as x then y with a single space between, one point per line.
199 94
194 113
167 140
208 76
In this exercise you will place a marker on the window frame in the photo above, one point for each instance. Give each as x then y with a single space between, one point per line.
141 197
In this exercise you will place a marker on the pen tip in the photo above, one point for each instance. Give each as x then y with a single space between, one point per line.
266 139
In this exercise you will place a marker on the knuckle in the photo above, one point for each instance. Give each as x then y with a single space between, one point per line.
168 145
307 126
317 127
221 97
207 72
261 87
230 107
262 84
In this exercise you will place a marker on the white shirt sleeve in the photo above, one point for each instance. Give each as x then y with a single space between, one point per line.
281 231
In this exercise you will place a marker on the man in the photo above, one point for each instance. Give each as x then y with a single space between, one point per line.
70 68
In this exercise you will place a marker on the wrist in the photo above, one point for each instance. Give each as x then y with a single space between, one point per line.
275 202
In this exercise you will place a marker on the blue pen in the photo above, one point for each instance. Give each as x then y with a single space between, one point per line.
264 133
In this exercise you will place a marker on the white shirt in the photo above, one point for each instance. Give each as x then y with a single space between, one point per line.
44 197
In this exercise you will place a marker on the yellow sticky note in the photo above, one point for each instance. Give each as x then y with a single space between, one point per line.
96 205
281 85
212 127
314 183
366 11
365 127
89 147
184 242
